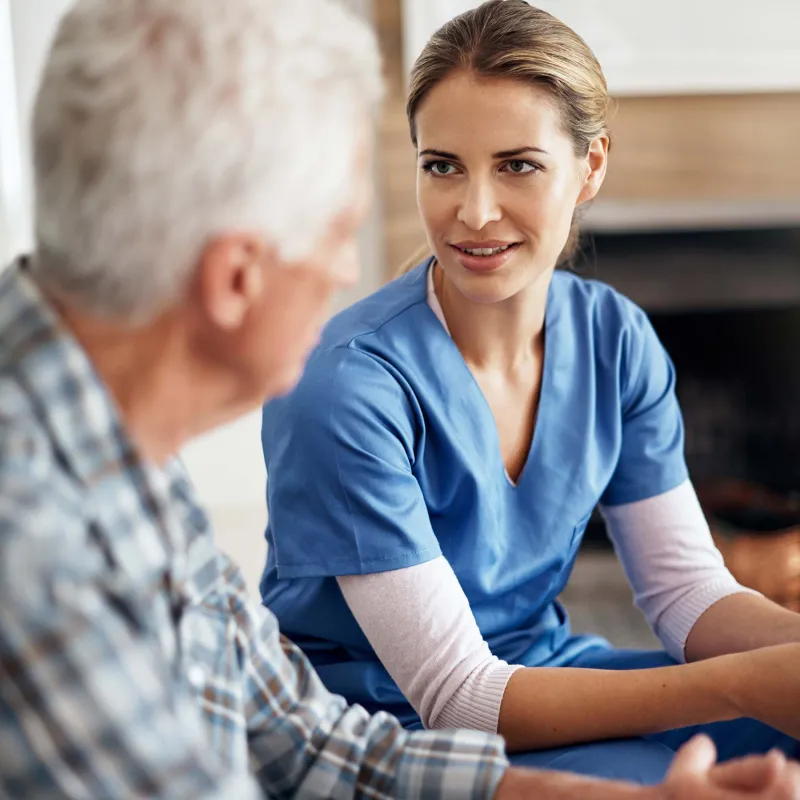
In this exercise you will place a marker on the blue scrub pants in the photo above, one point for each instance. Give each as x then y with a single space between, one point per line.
646 760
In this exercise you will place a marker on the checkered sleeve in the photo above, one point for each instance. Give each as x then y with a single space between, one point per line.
88 707
308 743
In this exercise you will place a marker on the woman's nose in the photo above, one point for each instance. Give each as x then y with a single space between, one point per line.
479 205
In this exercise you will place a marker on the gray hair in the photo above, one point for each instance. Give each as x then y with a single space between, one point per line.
162 123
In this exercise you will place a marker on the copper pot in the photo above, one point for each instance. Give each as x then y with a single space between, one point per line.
758 534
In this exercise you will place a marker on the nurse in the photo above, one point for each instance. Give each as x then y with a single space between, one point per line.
431 476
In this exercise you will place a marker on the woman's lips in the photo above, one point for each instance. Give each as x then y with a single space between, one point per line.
485 263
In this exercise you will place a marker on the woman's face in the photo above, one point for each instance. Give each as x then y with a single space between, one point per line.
498 175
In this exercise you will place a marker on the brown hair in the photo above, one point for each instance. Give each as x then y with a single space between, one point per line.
512 39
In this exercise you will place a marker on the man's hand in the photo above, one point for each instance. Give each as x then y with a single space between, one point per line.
693 776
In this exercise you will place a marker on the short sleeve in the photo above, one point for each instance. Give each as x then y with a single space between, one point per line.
651 459
340 454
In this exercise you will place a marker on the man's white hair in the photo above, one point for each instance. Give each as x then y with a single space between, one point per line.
162 123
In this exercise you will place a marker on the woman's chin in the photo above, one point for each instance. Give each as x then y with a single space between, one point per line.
486 289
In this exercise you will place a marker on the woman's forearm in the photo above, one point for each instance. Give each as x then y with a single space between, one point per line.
739 623
553 707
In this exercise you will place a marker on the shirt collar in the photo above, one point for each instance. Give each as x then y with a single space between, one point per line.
60 381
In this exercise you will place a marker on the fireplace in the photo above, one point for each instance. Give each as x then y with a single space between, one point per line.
726 305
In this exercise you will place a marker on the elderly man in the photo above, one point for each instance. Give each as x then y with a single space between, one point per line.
201 170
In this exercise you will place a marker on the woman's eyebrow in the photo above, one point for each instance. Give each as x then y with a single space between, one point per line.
440 154
518 151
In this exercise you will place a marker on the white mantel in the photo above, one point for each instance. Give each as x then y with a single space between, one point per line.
676 47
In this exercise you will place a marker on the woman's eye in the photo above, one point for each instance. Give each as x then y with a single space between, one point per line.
441 168
521 167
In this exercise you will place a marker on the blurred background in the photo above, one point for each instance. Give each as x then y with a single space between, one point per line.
698 222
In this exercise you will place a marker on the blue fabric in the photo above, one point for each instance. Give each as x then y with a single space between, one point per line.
386 455
646 760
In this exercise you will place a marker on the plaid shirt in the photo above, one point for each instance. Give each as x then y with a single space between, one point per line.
132 661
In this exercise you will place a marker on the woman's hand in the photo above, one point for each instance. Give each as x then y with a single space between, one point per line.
767 687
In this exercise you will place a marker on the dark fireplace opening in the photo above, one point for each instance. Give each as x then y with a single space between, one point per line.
739 389
726 306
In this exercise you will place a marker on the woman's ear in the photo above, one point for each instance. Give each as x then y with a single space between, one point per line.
594 169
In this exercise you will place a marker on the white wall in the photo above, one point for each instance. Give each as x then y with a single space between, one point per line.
11 180
226 465
645 47
26 28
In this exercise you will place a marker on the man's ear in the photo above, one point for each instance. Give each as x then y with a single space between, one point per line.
230 278
594 169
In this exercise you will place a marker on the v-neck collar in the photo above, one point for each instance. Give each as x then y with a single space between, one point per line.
551 315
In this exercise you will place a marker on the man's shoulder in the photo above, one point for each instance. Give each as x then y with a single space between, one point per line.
38 508
27 459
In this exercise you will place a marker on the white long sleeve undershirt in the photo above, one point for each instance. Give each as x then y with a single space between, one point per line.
419 622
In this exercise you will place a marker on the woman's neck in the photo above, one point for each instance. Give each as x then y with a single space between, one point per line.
495 336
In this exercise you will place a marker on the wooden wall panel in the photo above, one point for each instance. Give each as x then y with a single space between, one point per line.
670 148
396 158
734 147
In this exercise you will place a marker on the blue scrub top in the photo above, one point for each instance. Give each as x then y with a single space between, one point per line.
386 455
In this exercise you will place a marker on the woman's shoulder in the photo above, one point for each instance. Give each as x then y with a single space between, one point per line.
596 303
343 392
358 364
391 305
604 325
377 345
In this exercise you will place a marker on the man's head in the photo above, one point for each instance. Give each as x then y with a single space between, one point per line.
206 162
